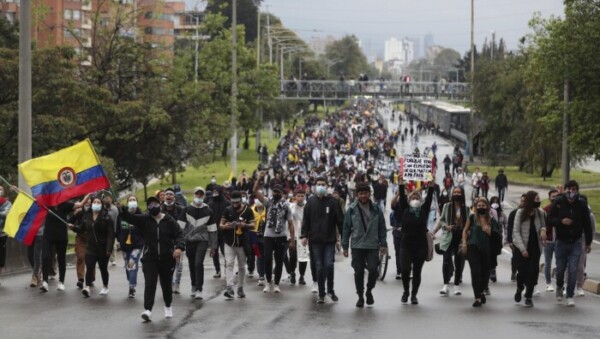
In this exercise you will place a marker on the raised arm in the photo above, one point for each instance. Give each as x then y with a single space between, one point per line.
257 184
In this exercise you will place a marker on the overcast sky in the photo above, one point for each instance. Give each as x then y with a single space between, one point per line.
374 21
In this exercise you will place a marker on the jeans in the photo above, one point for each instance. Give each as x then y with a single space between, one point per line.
548 253
231 253
501 192
34 254
479 262
581 267
381 204
90 267
361 259
323 256
260 259
196 252
274 247
178 271
567 258
131 259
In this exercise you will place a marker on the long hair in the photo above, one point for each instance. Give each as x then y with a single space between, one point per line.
487 216
463 208
528 207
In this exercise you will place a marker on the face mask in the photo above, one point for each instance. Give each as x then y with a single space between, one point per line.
482 211
457 198
213 181
276 197
537 204
132 205
198 201
215 195
495 206
444 193
573 196
154 211
96 207
169 203
244 200
415 203
321 190
257 203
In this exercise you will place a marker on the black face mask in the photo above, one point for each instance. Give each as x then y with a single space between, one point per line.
154 211
276 197
482 211
457 198
537 204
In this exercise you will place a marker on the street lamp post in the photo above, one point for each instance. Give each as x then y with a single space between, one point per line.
234 89
472 112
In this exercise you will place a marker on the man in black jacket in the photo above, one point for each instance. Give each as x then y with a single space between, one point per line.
380 188
570 219
164 243
321 227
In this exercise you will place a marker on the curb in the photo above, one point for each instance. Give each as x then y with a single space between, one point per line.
589 285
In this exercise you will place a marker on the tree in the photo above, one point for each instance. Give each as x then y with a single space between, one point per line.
9 34
444 63
352 60
247 15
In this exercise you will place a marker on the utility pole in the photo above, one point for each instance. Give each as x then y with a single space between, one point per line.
234 89
24 147
260 112
196 56
472 112
270 41
493 45
565 137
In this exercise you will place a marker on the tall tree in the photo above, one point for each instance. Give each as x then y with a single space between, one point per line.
352 59
247 14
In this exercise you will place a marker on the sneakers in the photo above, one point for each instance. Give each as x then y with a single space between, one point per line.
487 291
217 275
444 291
579 292
250 274
176 289
113 263
268 288
518 295
86 291
261 282
570 302
276 289
457 290
198 295
131 294
398 276
333 296
301 281
240 292
229 293
361 302
370 300
528 302
293 278
60 287
414 300
147 314
559 294
104 291
314 288
169 312
404 299
537 293
80 284
33 282
549 288
493 277
320 300
44 287
477 303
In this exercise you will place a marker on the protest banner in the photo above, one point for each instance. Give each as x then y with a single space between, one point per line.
416 167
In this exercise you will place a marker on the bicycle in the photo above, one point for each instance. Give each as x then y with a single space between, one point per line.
383 262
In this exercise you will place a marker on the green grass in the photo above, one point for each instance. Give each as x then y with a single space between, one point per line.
521 178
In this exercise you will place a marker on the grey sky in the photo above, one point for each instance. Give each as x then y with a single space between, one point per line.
374 21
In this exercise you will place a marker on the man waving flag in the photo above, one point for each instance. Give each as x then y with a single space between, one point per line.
68 173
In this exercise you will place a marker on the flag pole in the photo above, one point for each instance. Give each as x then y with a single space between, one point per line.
13 187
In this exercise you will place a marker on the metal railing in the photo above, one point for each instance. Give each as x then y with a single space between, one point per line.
339 90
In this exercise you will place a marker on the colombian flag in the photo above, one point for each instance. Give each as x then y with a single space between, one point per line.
24 219
64 175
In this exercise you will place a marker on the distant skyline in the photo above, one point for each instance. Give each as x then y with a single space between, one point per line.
448 21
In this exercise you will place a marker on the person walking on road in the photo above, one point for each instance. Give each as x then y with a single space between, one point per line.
132 243
476 245
452 222
164 243
414 215
364 222
570 218
529 237
321 227
236 222
501 183
549 247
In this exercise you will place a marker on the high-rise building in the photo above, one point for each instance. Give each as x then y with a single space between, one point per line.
319 44
427 43
418 51
408 50
393 50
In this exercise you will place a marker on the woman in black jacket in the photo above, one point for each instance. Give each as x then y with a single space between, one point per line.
413 246
99 230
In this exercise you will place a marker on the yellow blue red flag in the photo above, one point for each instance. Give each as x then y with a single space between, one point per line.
24 219
65 174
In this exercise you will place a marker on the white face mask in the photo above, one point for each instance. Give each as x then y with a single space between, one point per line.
244 200
415 203
132 204
96 207
495 206
257 203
